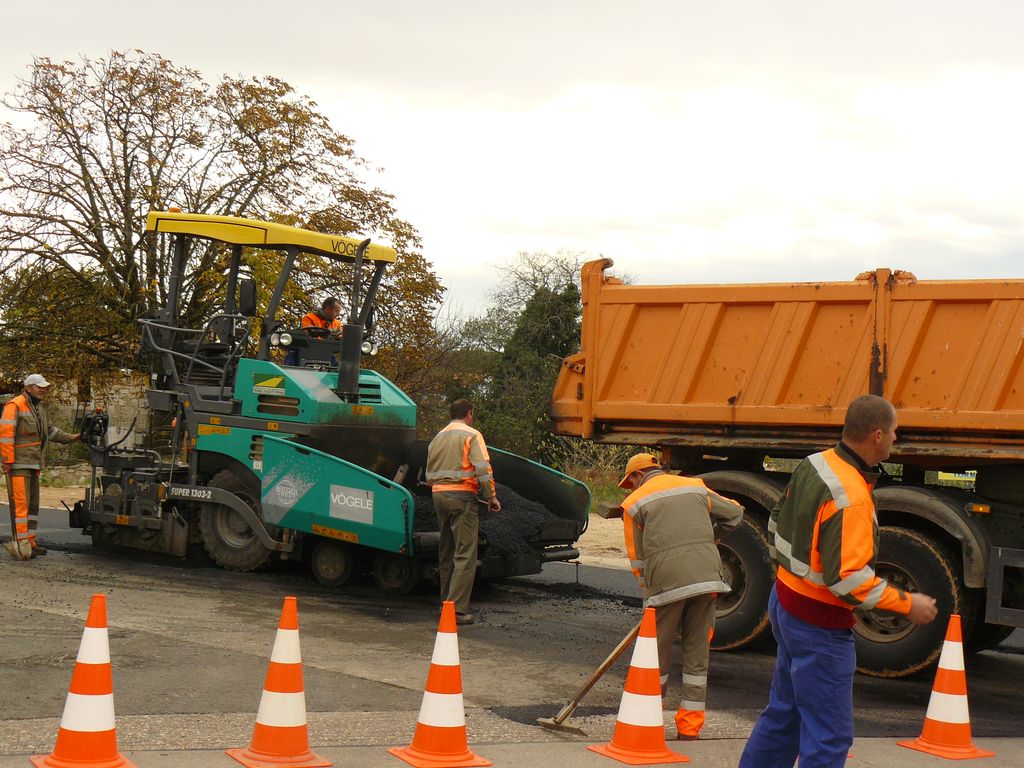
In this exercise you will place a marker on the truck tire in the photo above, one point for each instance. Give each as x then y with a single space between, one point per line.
332 562
742 615
888 645
227 538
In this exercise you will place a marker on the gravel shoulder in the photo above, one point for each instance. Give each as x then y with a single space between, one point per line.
602 544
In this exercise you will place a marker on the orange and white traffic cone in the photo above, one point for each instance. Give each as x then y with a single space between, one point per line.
947 723
639 737
281 736
440 737
87 737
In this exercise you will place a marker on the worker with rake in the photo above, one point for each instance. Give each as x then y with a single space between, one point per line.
671 524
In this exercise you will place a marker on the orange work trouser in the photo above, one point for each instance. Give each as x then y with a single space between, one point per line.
24 485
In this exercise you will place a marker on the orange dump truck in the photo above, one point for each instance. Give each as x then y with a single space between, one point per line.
734 382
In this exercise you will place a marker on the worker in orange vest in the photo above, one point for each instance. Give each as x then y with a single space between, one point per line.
824 533
25 430
458 469
326 317
671 524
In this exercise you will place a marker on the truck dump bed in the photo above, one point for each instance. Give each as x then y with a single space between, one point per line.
772 366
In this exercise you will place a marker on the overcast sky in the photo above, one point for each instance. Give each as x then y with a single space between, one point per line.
725 141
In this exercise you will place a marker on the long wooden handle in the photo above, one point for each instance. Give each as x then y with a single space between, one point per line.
598 673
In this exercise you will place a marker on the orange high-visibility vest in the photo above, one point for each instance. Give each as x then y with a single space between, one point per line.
457 460
20 432
313 320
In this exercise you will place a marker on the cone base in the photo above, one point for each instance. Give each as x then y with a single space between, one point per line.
52 761
944 750
421 759
638 757
251 759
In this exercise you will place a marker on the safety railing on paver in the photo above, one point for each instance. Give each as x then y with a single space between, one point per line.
225 354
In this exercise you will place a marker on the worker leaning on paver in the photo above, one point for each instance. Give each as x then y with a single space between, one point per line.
671 524
458 469
825 539
25 429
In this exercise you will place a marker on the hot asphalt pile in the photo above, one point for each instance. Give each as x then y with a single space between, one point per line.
507 533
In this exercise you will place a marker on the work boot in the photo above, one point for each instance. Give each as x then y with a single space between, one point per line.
686 737
464 618
39 551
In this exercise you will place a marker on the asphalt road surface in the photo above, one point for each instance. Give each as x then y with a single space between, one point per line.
190 643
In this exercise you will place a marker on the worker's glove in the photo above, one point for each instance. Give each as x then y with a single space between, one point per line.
493 504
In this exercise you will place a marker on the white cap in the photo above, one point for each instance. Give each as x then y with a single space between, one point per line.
37 380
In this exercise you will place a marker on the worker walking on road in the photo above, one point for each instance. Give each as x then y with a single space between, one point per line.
458 470
25 430
671 524
825 542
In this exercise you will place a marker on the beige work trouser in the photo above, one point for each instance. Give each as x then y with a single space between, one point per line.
692 619
459 523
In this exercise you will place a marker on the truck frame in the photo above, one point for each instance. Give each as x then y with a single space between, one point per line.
734 383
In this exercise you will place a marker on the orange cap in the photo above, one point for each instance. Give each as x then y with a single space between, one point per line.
638 462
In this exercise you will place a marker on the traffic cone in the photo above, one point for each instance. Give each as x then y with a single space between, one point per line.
281 736
639 737
440 737
87 737
947 723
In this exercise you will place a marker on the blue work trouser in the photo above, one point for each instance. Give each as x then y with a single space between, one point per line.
810 707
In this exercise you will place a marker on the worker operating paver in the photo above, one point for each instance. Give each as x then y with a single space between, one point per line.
671 524
458 468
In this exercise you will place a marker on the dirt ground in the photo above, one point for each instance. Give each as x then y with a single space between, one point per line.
50 497
602 544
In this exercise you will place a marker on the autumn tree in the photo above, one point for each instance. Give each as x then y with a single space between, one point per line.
100 143
511 354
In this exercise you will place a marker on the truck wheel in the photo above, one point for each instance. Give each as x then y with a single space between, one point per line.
332 563
228 539
394 574
741 615
887 644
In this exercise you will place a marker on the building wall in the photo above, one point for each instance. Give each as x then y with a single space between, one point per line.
123 396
